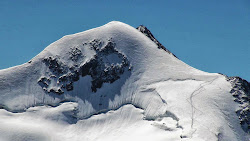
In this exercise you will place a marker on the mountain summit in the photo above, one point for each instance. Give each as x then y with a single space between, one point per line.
115 83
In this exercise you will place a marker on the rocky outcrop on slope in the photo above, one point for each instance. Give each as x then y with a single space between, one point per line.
241 92
143 29
105 67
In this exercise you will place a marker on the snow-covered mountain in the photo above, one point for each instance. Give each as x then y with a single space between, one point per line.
115 83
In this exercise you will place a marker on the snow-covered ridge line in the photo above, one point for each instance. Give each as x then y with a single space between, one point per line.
143 29
240 87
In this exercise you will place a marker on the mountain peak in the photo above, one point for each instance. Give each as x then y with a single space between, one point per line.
115 22
116 79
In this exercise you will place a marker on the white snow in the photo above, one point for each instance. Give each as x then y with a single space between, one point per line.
161 98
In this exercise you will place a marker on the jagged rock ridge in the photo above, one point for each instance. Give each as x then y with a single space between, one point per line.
143 29
241 93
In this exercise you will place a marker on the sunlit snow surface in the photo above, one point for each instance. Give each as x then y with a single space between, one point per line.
157 96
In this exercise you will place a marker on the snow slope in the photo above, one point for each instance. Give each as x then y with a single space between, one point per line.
114 83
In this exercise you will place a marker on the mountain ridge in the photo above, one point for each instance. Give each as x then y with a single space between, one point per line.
114 66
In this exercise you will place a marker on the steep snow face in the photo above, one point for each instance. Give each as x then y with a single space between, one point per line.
113 83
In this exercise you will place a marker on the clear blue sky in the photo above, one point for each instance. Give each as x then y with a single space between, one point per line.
210 35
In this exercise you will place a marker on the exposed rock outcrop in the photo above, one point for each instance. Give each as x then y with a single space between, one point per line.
241 93
143 29
105 67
